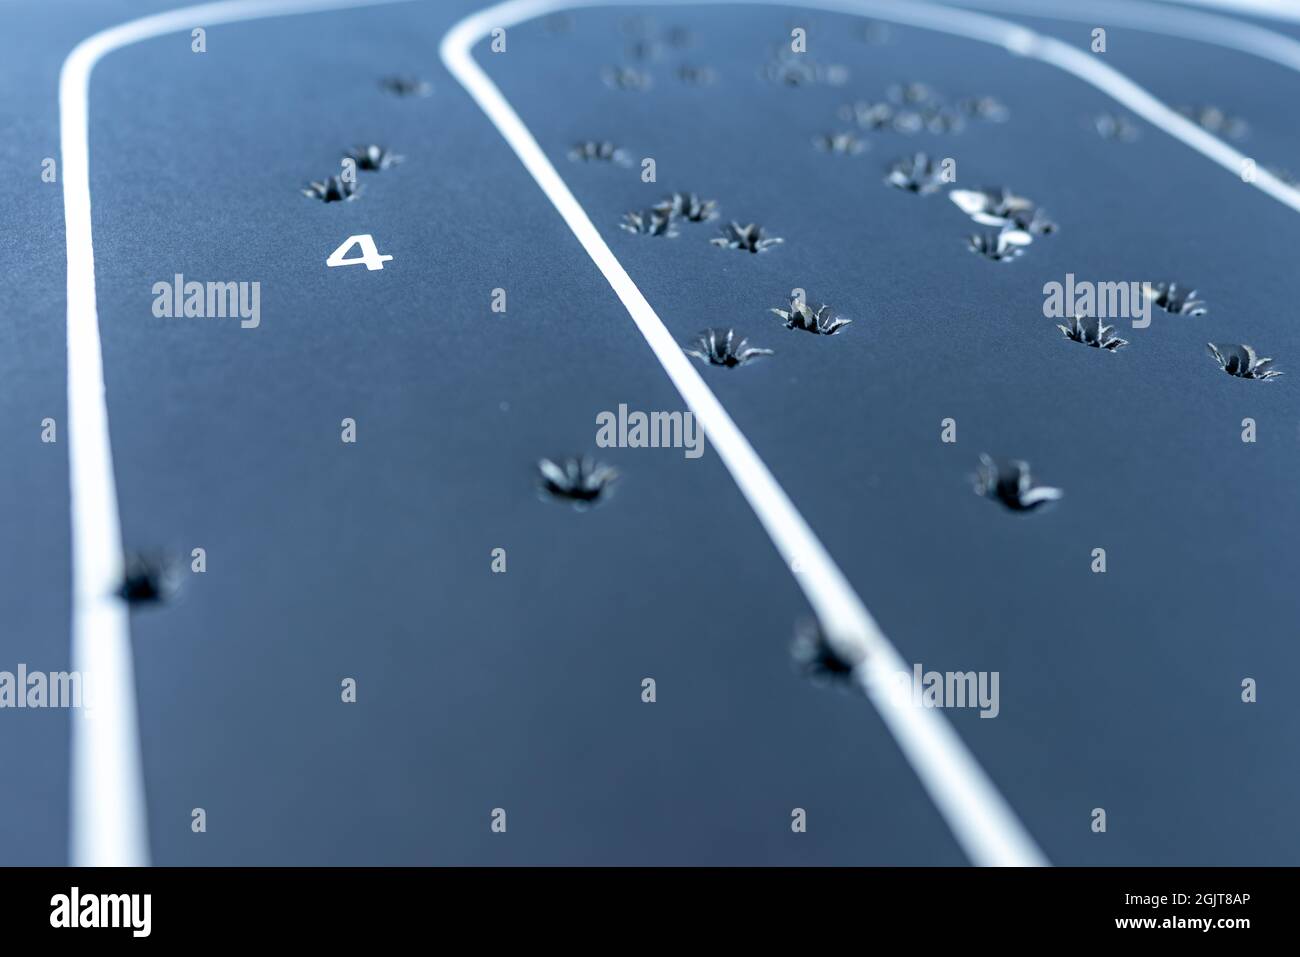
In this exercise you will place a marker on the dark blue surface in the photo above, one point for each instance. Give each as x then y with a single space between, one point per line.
522 690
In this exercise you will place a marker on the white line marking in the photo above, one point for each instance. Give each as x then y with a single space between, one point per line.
1271 9
1160 18
108 825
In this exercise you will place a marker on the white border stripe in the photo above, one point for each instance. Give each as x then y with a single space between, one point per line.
1159 18
108 825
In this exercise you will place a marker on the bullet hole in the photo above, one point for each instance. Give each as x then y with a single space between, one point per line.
1240 360
687 206
869 116
821 322
1001 246
839 144
693 75
405 85
799 70
583 482
1216 121
912 93
1012 485
916 174
822 661
722 347
333 189
373 158
592 151
996 206
1116 126
1092 332
679 37
651 222
148 578
646 50
626 78
986 108
1176 299
750 239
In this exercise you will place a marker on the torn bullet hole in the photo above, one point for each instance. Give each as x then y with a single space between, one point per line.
722 347
869 116
1216 121
916 174
687 206
592 151
986 108
646 50
334 189
1240 360
1001 246
679 37
626 78
911 94
696 75
841 144
748 238
1176 299
797 69
821 660
1000 207
405 86
651 222
1012 485
373 158
1115 126
148 579
581 481
1092 332
822 322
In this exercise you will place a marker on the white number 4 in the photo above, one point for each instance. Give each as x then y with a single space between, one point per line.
370 255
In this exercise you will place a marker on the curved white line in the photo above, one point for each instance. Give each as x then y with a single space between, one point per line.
108 826
1270 9
1159 18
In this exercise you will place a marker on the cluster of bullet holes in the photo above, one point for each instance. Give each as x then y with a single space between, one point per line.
649 47
344 187
912 108
1016 221
370 158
